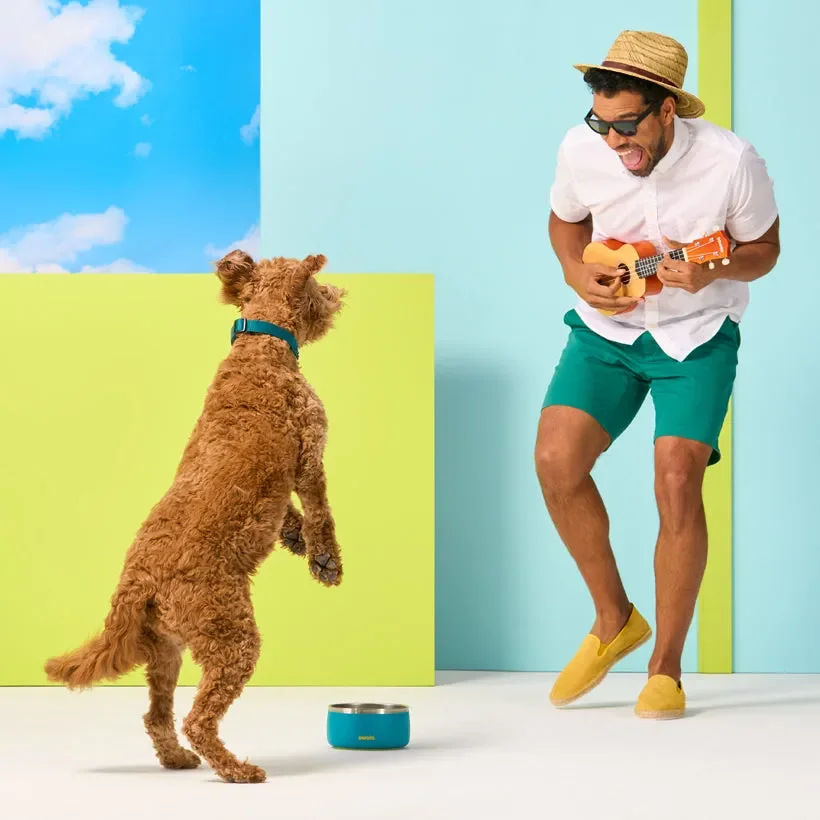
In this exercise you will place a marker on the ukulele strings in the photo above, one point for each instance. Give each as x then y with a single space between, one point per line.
649 264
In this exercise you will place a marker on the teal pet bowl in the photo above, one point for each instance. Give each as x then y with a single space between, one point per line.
368 726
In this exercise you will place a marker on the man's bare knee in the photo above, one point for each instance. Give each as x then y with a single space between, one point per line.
568 445
679 470
556 466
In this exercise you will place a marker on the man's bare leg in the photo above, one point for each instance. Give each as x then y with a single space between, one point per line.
680 554
568 444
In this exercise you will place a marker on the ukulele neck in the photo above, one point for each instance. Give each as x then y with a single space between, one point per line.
648 266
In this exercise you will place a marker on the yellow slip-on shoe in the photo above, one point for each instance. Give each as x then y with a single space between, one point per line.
662 698
593 660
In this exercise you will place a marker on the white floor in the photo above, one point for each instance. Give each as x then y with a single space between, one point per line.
483 746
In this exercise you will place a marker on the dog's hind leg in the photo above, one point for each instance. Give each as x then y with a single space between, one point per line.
227 648
162 673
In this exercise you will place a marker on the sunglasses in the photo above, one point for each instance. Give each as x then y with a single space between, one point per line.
626 128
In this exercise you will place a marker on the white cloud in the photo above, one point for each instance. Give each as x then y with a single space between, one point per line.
142 149
64 238
53 54
50 246
146 120
250 131
250 243
187 68
10 264
26 122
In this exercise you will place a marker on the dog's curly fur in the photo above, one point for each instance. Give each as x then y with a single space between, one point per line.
186 579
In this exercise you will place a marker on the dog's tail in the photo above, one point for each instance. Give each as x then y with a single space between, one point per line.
112 653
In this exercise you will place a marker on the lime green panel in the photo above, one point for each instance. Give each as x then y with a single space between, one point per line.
103 377
715 603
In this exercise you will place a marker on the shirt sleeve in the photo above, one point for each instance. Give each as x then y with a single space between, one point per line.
752 207
564 199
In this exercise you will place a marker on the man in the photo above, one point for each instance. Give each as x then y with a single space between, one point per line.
644 167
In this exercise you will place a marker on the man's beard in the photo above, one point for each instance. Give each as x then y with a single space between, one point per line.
659 150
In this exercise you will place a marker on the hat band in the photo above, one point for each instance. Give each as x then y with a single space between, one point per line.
655 78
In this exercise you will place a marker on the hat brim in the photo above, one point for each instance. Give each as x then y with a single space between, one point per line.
688 106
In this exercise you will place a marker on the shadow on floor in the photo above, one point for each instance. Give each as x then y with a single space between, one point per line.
334 759
451 678
141 769
781 701
724 703
326 760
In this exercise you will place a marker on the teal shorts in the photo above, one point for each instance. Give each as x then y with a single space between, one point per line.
609 381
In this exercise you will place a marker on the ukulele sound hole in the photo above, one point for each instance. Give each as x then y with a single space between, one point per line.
625 273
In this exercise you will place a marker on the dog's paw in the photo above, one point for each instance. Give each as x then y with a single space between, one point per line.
326 569
243 773
292 540
291 535
179 759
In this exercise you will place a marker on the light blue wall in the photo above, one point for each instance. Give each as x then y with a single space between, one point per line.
777 443
421 136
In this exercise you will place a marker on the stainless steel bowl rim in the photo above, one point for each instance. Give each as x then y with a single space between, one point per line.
368 708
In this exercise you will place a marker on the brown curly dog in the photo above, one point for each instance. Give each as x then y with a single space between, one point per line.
186 579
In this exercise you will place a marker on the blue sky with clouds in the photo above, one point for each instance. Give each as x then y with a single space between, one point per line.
128 133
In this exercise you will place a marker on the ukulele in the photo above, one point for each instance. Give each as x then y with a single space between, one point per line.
638 263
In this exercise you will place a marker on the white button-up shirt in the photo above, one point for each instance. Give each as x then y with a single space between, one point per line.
709 177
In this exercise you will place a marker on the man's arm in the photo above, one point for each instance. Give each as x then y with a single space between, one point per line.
751 260
568 242
752 207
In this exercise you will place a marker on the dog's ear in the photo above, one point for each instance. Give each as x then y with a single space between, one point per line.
313 264
236 271
310 266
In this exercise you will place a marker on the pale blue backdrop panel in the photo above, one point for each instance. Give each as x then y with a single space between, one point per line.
421 137
777 443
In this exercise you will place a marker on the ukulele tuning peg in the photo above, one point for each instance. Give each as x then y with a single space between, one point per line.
725 262
711 266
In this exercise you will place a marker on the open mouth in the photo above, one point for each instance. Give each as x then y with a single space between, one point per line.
631 158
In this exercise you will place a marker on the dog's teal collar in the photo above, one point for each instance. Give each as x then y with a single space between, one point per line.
257 326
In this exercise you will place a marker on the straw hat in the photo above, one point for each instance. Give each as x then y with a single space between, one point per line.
653 57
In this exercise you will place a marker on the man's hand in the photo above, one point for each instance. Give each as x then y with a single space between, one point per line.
597 286
688 276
